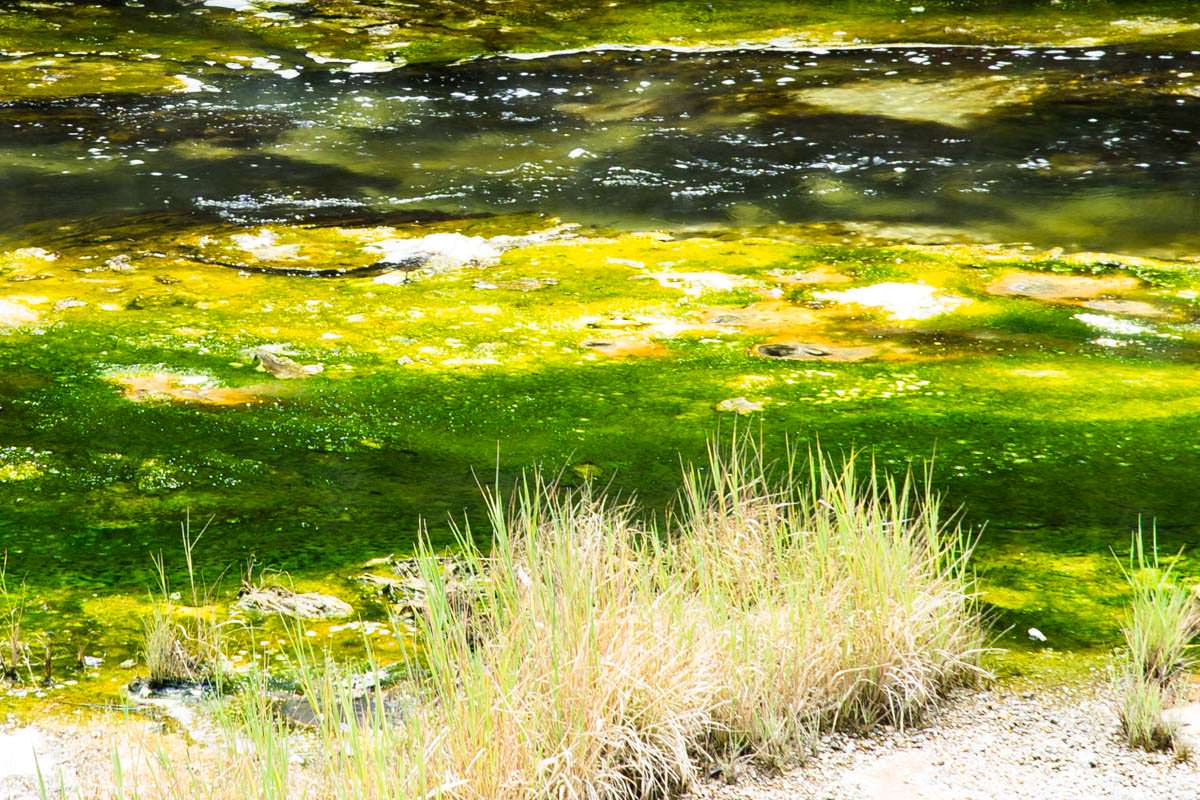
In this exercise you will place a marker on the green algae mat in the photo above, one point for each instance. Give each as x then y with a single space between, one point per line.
315 270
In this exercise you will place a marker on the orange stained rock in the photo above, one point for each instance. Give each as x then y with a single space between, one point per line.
777 317
1132 308
819 274
626 346
144 387
1051 286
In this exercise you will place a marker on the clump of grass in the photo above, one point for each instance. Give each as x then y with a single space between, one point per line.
14 650
601 657
1163 619
182 645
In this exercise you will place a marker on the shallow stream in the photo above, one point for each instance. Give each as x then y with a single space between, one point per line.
315 269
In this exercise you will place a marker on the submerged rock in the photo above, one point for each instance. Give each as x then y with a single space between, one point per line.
280 366
777 318
341 252
740 405
150 385
817 275
265 246
1132 308
957 101
815 352
626 346
1053 286
365 706
372 694
381 584
277 600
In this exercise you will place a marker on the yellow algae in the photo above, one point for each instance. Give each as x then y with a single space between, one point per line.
1040 373
33 77
110 607
20 471
1150 27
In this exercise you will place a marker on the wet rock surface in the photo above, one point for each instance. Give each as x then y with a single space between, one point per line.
800 351
304 605
1049 286
281 366
740 405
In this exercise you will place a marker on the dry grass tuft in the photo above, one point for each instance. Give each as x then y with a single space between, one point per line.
601 658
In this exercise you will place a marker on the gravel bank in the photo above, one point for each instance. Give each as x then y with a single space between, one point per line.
1059 744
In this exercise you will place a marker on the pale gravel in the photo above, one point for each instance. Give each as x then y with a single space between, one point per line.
1055 744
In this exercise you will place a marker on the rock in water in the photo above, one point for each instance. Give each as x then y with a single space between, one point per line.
799 351
283 367
739 405
276 600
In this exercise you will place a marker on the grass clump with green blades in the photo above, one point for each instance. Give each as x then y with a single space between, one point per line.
1163 619
183 644
600 657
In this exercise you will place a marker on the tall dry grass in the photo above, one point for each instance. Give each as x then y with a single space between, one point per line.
598 657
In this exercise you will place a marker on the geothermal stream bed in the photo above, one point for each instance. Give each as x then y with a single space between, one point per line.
308 292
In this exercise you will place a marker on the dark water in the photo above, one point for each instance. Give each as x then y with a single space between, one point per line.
1091 148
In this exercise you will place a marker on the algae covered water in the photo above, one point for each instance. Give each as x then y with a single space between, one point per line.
317 269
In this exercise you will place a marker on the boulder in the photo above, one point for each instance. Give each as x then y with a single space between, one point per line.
277 600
